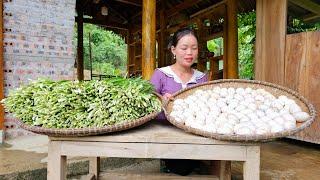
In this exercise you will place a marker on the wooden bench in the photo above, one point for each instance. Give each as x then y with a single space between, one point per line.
152 140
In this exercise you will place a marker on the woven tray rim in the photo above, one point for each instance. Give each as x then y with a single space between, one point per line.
233 137
77 132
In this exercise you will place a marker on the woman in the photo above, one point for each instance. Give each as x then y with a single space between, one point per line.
170 79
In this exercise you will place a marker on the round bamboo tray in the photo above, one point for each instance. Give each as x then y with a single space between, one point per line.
274 89
77 132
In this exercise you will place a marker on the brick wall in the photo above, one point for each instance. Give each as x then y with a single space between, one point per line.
37 43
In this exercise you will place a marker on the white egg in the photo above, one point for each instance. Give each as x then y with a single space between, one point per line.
226 109
244 131
221 103
246 111
273 115
260 113
240 91
252 106
265 119
259 98
262 130
290 101
248 90
225 130
279 120
178 101
189 121
277 104
288 117
252 116
215 95
177 107
210 128
283 111
294 108
231 91
240 108
216 89
301 116
249 99
289 125
276 128
238 97
245 119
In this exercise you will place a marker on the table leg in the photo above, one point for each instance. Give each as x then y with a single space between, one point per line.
56 162
251 167
94 166
225 170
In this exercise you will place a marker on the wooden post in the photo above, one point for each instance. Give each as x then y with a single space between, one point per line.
1 74
162 38
80 75
232 40
270 40
201 66
148 37
225 44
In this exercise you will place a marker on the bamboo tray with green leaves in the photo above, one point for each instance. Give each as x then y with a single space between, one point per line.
83 108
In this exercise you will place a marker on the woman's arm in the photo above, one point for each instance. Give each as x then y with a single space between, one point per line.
156 80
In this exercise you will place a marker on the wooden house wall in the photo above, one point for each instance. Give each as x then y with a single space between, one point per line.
302 74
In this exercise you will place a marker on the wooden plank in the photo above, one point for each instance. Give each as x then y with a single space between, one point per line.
153 176
155 150
155 132
148 38
295 61
1 72
308 5
311 82
270 40
232 40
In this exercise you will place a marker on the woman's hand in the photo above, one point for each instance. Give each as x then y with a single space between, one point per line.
167 97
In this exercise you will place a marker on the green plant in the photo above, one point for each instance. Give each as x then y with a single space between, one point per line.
246 40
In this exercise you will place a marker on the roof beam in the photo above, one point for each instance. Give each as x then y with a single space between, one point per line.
174 10
131 2
181 6
310 17
308 5
105 23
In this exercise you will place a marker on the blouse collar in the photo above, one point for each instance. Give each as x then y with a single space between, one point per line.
169 72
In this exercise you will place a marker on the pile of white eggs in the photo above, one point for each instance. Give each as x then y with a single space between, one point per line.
242 111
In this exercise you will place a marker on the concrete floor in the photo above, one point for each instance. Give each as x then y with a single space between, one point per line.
282 159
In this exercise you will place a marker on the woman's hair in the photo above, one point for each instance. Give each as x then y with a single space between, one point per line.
173 40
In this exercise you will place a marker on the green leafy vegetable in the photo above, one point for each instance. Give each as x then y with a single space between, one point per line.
79 104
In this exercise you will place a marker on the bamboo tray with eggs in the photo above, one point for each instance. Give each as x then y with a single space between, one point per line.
240 110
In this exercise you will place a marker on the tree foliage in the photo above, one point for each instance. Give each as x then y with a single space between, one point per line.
109 50
246 40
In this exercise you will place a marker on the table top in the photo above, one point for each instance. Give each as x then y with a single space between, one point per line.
151 132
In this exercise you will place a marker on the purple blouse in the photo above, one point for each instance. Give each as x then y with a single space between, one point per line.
166 81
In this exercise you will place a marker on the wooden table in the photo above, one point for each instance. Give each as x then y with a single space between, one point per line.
152 140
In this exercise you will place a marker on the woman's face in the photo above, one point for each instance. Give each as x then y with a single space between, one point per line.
186 50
